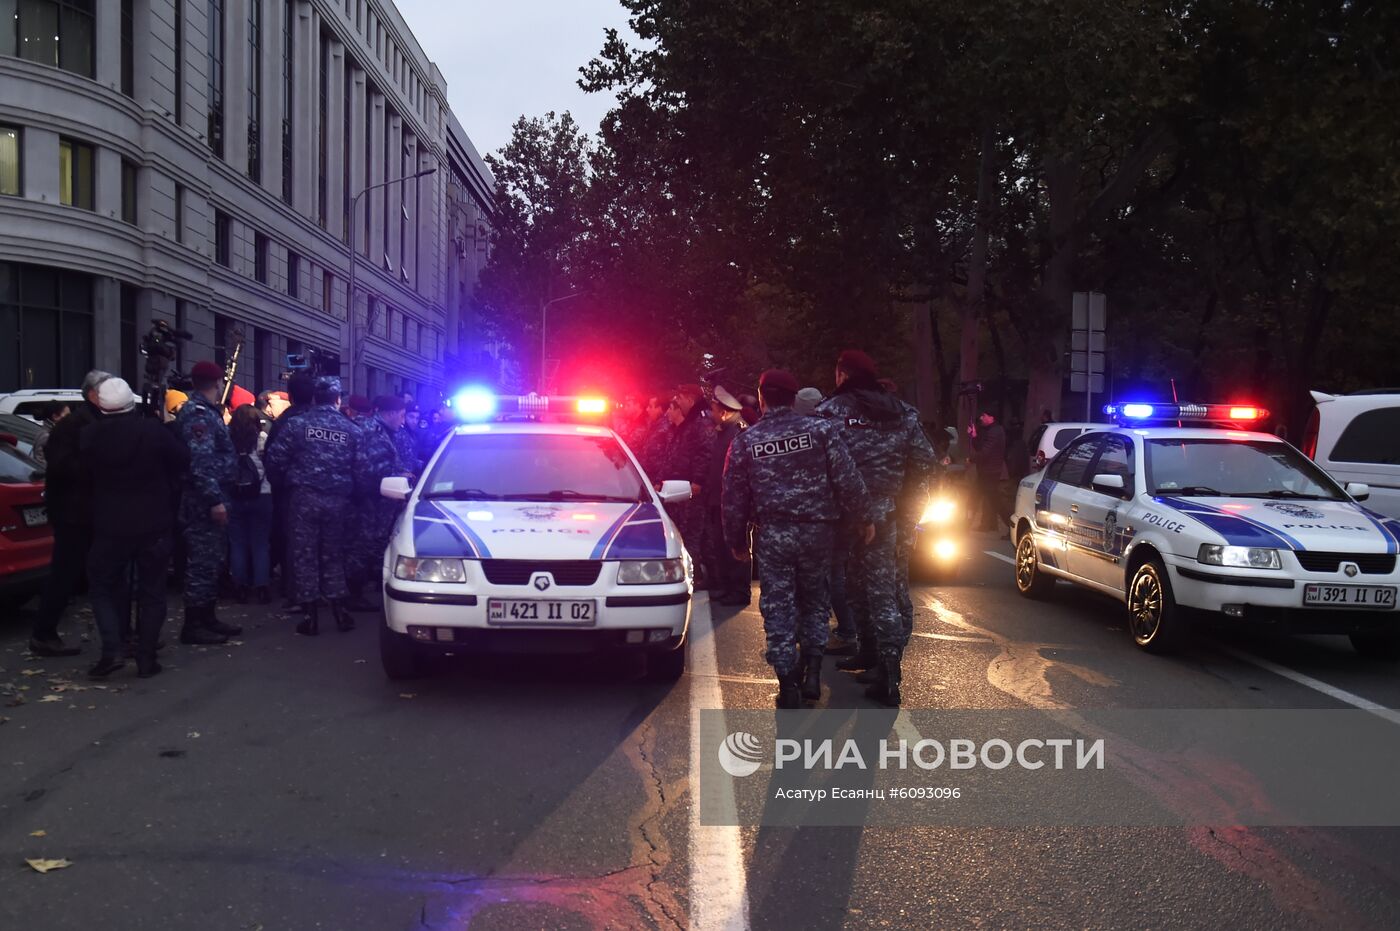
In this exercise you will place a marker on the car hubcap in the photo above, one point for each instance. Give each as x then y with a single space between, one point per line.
1025 562
1145 608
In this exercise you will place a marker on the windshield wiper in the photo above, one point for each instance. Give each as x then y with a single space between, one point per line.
569 494
463 494
1282 493
1189 490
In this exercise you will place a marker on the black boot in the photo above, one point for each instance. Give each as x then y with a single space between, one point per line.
812 679
105 666
870 675
309 625
240 594
864 658
886 689
195 631
356 601
343 621
212 622
790 689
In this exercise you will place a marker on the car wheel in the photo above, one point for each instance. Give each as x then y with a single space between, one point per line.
1031 580
398 655
1154 619
666 665
1384 646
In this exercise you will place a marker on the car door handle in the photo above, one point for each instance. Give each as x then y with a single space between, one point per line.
1074 509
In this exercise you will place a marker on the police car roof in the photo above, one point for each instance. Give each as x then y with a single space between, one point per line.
531 426
1192 433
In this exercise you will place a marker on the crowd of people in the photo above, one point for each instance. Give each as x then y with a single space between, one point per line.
825 493
231 490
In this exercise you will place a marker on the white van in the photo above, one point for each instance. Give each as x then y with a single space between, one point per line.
31 402
1356 438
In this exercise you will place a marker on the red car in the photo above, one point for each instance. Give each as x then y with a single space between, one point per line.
26 541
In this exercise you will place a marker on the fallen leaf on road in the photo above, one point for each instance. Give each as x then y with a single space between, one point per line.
43 866
3 719
360 661
408 694
51 698
235 643
38 833
192 734
31 672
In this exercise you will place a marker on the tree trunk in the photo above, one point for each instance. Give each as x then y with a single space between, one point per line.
928 361
975 300
1045 383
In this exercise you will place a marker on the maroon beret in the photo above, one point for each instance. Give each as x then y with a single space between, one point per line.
388 403
855 362
359 404
207 371
777 378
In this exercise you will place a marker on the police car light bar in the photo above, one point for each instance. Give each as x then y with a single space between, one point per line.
480 404
1139 411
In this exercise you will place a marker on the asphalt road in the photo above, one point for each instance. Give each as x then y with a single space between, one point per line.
283 783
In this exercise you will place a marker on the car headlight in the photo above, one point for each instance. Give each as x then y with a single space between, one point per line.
412 569
1241 557
939 511
650 571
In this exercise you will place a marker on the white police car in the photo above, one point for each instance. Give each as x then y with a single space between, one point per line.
534 536
1221 520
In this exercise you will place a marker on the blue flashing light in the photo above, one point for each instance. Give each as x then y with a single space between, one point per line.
474 404
1138 411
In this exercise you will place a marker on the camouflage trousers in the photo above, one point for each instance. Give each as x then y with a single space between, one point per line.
872 583
794 595
373 522
316 528
689 518
206 550
907 536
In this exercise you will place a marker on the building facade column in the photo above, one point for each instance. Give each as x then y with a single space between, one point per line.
335 140
236 85
307 79
107 324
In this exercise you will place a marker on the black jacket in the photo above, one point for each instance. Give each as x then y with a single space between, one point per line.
690 454
132 463
66 489
990 452
719 452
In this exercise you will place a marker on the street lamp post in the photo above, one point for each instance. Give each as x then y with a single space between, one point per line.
350 290
544 331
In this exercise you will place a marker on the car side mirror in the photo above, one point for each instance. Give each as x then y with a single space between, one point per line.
674 490
395 488
1108 484
1358 490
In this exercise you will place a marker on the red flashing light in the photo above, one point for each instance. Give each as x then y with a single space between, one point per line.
592 405
1246 413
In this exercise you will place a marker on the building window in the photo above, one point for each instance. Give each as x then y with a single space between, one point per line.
261 247
10 160
293 274
222 234
369 152
288 97
128 48
179 213
179 62
345 140
51 32
323 130
75 165
328 292
216 77
46 322
254 77
129 178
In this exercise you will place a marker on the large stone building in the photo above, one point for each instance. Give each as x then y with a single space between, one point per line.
195 161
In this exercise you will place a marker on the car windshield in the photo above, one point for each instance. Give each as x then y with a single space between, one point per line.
534 467
1235 469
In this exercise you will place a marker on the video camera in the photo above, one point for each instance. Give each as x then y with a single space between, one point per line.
311 361
160 346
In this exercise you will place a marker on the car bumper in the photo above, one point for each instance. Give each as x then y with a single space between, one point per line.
458 621
1276 599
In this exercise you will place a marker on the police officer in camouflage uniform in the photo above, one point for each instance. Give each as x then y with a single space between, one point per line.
692 436
793 479
204 504
908 509
375 514
887 444
319 456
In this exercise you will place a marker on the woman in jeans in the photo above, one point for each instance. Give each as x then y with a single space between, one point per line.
250 518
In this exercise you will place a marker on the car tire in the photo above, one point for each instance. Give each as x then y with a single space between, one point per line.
1383 646
398 655
666 665
1031 580
1155 621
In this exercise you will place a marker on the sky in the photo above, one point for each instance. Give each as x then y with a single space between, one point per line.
504 58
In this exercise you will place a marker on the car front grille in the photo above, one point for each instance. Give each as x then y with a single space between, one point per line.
1369 563
575 572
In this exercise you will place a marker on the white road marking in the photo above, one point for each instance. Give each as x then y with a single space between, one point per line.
905 730
1002 556
931 636
719 889
1317 685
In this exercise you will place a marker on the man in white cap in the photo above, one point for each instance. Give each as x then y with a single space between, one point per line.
807 401
729 577
134 463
